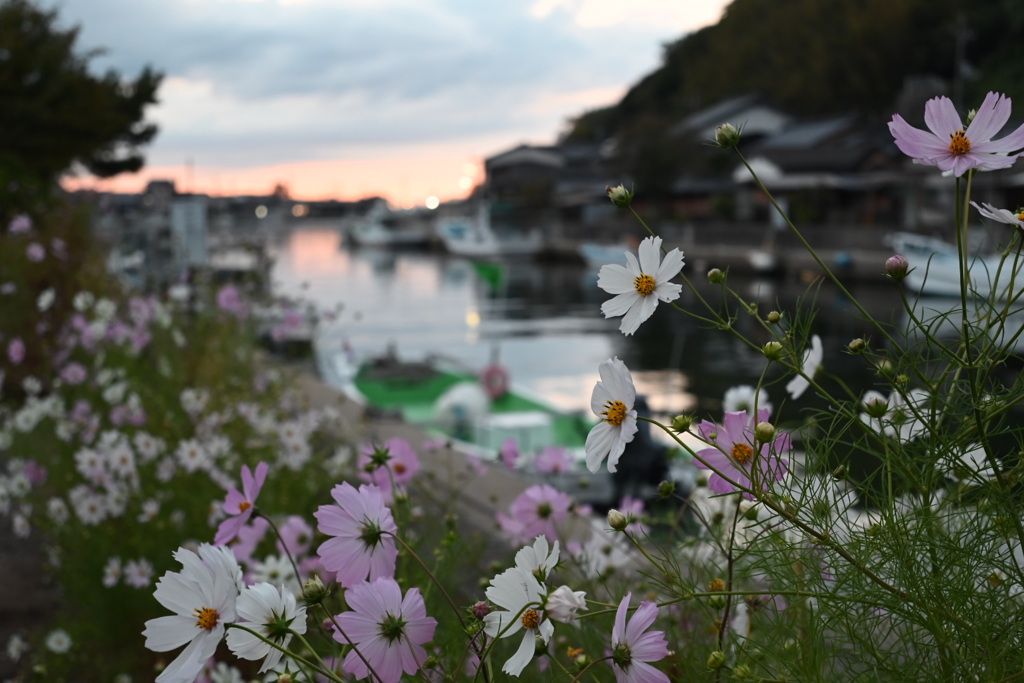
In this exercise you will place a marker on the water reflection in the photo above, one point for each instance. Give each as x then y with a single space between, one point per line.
545 321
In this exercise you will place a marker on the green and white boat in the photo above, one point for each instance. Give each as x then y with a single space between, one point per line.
478 410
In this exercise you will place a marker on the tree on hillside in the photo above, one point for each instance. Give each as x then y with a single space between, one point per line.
56 116
814 58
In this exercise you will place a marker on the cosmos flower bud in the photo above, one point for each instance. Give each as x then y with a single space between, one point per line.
764 432
774 317
773 350
681 423
579 657
896 267
617 520
481 609
857 345
727 136
716 660
876 407
619 195
314 591
666 489
716 276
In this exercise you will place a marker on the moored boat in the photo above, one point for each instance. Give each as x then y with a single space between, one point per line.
478 413
473 236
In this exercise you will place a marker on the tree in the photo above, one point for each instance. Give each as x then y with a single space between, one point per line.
57 116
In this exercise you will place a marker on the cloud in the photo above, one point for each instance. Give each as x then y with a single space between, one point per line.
261 82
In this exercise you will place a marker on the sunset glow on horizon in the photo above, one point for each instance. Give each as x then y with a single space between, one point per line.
404 180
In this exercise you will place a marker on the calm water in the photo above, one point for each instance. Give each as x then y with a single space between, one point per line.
543 320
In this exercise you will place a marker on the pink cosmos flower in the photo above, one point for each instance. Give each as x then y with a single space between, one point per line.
509 453
59 248
954 149
35 472
632 649
296 536
74 373
387 629
553 460
732 459
16 351
240 505
363 531
20 223
249 538
394 463
35 252
535 512
230 301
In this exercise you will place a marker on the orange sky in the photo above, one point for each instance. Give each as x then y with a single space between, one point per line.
406 179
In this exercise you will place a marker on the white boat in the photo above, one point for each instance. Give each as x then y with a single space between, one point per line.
383 226
474 236
935 267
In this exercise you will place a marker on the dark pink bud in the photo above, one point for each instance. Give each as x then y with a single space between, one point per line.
896 267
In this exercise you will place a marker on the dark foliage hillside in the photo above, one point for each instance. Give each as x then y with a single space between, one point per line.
816 58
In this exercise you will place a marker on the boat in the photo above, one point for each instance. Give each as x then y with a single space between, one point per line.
935 267
383 226
476 412
473 236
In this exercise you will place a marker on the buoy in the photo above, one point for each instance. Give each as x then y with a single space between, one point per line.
494 379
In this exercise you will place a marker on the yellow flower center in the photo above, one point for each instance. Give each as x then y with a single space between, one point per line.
742 453
530 619
644 284
244 505
206 618
717 585
959 144
1020 215
614 412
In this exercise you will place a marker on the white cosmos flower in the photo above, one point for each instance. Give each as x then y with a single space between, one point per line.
745 397
563 603
276 570
1000 215
640 285
58 641
813 356
521 598
612 401
271 612
202 597
970 464
536 559
45 300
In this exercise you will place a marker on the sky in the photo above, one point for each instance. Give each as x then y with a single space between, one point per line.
353 98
